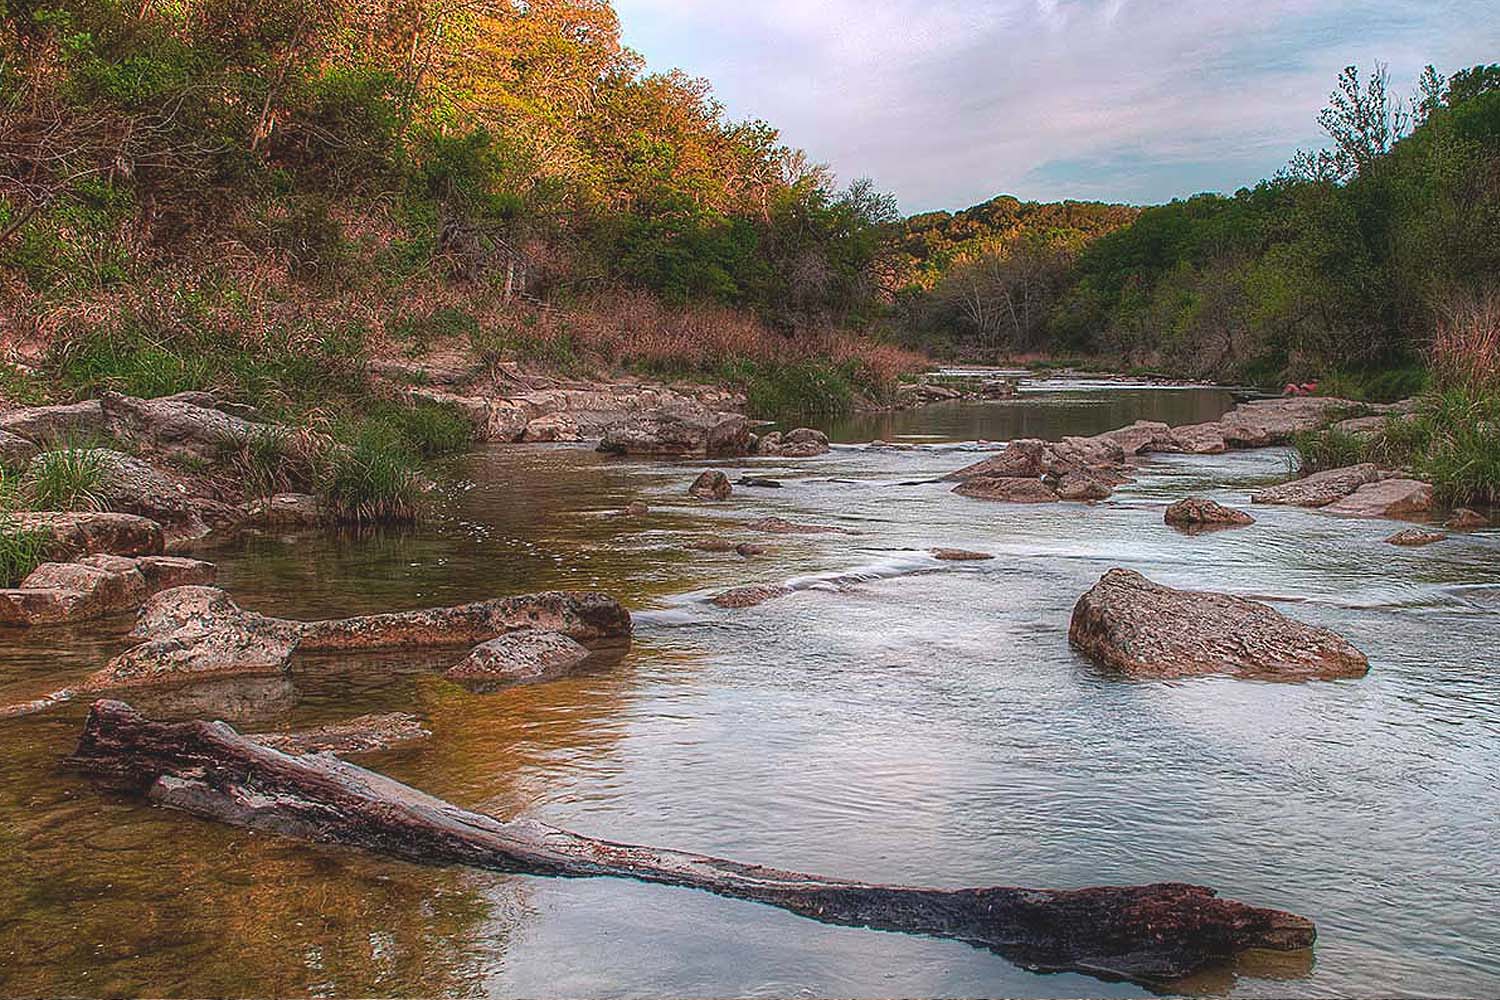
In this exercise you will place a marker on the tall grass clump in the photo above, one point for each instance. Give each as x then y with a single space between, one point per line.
68 479
429 430
370 476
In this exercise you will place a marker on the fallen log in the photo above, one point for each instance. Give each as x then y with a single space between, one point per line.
1151 933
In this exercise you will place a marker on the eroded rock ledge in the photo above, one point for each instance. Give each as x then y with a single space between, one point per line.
1149 933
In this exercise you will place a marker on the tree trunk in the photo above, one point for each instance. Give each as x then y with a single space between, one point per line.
1151 933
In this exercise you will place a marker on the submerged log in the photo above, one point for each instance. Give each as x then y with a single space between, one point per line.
1152 933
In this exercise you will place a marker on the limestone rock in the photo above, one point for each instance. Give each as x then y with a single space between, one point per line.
1201 439
49 425
15 451
1321 488
71 535
1143 629
1387 498
1416 537
711 485
1008 490
1464 519
749 597
680 431
960 555
521 657
1199 511
781 526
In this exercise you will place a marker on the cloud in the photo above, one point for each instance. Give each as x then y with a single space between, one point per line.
947 102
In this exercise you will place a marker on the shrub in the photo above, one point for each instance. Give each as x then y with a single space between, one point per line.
786 390
66 479
1318 451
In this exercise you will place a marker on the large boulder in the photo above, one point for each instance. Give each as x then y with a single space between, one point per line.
195 632
1201 512
181 426
680 431
69 535
285 511
1007 490
1321 488
1026 458
1129 624
521 657
1387 498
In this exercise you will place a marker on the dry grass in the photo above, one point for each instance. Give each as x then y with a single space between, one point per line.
1466 349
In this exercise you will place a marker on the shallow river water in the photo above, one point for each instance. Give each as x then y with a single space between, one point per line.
896 719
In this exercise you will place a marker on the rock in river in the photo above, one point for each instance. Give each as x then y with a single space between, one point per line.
681 430
1007 490
711 485
71 535
1465 519
521 657
1387 498
1198 511
1143 629
1321 488
1416 537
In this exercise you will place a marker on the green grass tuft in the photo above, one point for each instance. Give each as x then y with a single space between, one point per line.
67 479
20 552
372 477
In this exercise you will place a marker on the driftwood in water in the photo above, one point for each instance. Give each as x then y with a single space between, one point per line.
1145 933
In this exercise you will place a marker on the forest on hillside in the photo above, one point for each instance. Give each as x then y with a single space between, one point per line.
1345 263
250 176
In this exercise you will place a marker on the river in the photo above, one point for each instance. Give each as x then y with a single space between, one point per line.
896 719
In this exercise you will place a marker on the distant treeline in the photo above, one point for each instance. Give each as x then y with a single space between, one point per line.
1343 262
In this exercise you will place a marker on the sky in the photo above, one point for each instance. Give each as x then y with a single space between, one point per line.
947 103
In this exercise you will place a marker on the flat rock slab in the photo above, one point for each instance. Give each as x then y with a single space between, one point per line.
1007 490
1387 498
15 451
1201 512
72 535
521 657
749 597
1145 630
1201 439
1416 538
1321 488
960 555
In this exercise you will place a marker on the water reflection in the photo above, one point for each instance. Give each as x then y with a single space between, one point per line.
891 720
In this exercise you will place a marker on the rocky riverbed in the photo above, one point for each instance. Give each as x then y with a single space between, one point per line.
905 623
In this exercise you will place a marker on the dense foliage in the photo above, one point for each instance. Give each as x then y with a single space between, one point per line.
499 142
